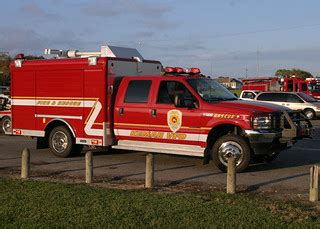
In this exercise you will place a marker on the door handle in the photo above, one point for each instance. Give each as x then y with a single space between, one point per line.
121 111
153 112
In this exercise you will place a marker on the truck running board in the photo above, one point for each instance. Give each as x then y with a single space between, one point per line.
158 147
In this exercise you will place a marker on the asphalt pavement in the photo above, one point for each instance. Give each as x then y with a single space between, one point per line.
289 173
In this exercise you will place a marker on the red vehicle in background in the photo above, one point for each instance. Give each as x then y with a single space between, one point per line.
310 86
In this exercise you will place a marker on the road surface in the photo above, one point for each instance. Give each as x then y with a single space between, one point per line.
289 173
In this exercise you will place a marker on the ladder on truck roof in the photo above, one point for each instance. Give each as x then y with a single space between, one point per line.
105 51
134 65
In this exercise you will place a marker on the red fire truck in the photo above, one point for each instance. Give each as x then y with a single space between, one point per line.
116 99
314 87
310 86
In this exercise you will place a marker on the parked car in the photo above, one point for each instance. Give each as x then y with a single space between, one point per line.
292 100
248 94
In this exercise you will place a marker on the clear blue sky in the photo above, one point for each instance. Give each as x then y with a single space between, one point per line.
222 37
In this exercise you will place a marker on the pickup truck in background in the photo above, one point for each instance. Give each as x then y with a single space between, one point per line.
298 101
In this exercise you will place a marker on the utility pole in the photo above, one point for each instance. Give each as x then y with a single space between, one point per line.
258 62
246 72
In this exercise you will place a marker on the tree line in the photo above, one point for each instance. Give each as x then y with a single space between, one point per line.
5 60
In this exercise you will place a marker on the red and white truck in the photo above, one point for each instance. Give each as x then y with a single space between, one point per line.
116 99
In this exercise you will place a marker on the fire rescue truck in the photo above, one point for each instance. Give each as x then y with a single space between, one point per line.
116 99
310 86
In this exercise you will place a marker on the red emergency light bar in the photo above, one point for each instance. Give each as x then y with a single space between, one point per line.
180 70
193 71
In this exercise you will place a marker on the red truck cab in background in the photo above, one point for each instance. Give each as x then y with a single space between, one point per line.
116 99
310 86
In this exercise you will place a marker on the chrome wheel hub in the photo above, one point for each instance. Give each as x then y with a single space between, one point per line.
230 148
6 126
59 141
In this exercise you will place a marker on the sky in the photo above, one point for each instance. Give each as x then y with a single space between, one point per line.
221 37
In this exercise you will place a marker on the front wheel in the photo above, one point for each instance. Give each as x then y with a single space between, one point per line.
234 145
309 113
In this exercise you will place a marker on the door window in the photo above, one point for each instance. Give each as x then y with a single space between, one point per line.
275 97
138 91
293 99
168 90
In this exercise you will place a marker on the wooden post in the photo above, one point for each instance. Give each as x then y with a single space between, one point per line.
89 167
231 175
149 171
314 183
25 163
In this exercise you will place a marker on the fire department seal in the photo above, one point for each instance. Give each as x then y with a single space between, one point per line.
174 119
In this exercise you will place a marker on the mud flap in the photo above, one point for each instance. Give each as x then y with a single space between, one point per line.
207 156
42 143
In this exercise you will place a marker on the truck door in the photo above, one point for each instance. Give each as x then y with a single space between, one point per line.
132 110
175 125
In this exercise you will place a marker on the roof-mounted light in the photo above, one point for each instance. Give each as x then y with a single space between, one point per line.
169 70
194 71
179 70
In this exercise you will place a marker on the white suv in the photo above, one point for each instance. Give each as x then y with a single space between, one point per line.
292 100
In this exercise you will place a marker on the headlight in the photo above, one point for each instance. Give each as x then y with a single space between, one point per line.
261 122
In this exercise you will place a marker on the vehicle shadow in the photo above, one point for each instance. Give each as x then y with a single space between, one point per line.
117 178
177 182
56 173
287 159
255 187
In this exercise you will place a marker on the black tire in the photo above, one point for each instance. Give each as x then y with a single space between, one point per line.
61 142
236 144
6 125
310 113
265 158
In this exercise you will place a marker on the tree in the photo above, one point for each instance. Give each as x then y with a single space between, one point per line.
5 61
295 71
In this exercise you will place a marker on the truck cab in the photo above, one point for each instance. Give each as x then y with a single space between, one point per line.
196 116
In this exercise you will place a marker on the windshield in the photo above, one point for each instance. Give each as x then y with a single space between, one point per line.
314 87
210 90
307 98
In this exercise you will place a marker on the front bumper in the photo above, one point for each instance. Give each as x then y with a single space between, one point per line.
294 126
266 142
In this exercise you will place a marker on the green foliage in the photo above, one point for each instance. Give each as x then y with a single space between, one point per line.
4 69
30 204
5 61
290 72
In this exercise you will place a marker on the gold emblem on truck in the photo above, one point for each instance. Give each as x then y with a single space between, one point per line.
174 119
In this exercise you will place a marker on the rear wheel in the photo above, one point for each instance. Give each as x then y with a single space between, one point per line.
310 113
6 125
234 145
62 143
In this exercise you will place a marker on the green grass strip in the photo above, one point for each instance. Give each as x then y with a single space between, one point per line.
31 204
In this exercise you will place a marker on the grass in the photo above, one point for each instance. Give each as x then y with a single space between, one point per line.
30 204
